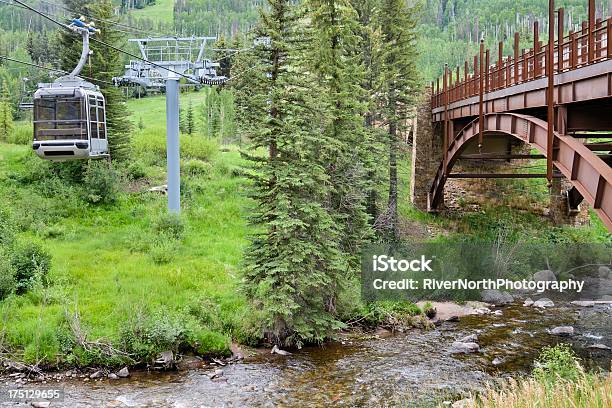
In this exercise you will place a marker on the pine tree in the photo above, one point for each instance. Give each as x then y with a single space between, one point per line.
398 88
247 84
6 113
104 64
369 42
189 119
340 73
293 265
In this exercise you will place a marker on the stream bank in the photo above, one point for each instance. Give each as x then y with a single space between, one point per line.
415 369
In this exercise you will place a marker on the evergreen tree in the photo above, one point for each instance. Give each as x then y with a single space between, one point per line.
293 265
189 119
6 113
340 74
369 42
247 84
398 88
104 64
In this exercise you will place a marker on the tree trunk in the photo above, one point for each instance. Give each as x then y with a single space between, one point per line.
393 228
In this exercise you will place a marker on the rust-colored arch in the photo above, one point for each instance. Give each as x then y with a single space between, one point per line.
591 176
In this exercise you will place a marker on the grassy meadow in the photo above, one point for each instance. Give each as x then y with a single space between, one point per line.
108 263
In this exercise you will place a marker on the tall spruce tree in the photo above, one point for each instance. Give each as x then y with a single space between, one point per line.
369 43
104 64
397 89
294 265
340 75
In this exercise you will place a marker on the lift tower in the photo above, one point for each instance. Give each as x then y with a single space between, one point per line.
164 61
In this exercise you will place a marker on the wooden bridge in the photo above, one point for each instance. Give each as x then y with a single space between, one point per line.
555 97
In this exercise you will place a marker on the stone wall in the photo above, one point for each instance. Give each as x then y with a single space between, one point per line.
426 153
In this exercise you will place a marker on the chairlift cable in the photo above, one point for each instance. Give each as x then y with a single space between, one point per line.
134 29
31 64
106 44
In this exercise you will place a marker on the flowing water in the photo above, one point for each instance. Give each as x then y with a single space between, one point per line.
414 369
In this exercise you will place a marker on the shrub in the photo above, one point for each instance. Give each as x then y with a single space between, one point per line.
163 251
7 229
30 263
169 225
21 135
136 170
558 362
101 183
146 334
196 168
7 276
153 140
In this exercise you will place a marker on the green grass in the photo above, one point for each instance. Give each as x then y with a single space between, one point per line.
161 11
105 258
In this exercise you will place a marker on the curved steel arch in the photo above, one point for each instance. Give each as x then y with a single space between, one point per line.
591 176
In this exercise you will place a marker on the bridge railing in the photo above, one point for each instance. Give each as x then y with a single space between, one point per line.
577 49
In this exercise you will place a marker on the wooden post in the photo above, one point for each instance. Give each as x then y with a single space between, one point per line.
516 57
609 37
500 61
573 50
550 91
487 64
474 86
591 30
525 66
560 27
445 134
536 49
584 44
481 95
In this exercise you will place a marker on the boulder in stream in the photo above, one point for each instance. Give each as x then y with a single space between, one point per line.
496 297
472 338
123 373
544 276
276 350
464 347
599 346
583 303
528 302
464 403
563 331
604 272
543 303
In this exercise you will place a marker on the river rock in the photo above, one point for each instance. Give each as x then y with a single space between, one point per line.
40 404
544 276
497 361
123 373
276 350
96 375
600 347
216 374
543 303
528 302
606 298
562 331
583 303
496 297
465 348
472 338
604 272
113 376
464 403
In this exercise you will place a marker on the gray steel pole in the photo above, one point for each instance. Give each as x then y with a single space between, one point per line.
172 145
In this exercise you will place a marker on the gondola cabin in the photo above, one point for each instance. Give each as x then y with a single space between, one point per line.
69 121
